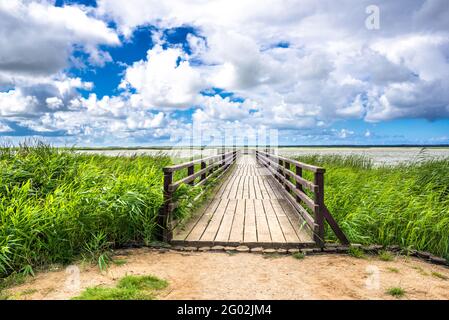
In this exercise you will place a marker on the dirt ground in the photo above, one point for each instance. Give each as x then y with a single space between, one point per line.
251 276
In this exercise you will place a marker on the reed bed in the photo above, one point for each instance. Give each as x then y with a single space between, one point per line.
56 204
406 204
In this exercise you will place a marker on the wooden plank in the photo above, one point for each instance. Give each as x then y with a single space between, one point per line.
182 233
275 187
227 190
238 224
263 231
225 227
240 188
263 188
273 223
274 245
289 221
251 189
250 232
222 189
214 224
199 228
257 189
234 189
245 194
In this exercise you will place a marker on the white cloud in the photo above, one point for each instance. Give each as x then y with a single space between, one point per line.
329 66
332 61
5 128
37 38
54 103
14 102
344 133
165 80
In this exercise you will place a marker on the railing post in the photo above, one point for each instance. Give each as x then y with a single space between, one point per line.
223 159
280 165
319 208
190 171
298 185
287 167
165 213
212 169
203 166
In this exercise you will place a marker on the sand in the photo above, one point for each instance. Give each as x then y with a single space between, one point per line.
221 276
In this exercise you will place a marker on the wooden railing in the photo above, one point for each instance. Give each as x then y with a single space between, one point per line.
210 167
294 185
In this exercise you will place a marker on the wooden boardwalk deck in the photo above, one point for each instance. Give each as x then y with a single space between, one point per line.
249 209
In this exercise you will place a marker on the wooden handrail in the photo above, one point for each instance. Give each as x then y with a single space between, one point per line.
293 162
184 165
280 168
210 167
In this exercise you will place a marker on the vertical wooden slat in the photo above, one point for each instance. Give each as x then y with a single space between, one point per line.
318 211
165 213
203 166
287 167
298 185
223 158
280 164
190 171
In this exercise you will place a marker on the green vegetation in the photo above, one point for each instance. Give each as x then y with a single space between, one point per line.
3 295
356 252
57 205
386 256
119 262
299 255
392 269
396 292
128 288
440 275
421 271
406 205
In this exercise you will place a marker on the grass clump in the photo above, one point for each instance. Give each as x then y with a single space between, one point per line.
128 288
396 292
119 262
405 204
57 205
440 275
356 252
298 255
3 295
392 269
386 256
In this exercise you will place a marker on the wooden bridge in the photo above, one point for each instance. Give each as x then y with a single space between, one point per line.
261 201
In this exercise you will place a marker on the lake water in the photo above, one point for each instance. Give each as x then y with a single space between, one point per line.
380 155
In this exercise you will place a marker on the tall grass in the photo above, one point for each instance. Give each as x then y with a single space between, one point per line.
407 204
56 204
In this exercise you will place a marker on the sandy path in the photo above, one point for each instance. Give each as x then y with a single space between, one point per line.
252 276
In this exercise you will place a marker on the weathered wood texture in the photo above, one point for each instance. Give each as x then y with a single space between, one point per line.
249 208
292 185
211 167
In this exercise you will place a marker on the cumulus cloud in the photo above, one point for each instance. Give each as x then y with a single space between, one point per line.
37 38
331 63
5 127
302 65
165 80
15 102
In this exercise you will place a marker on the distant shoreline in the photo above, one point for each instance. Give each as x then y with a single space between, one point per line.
253 146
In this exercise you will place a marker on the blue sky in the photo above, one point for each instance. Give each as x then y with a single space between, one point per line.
145 73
